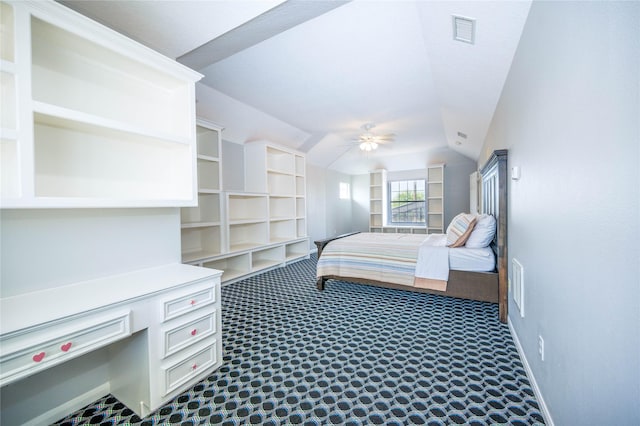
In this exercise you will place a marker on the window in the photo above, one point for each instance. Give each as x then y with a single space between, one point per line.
407 202
345 191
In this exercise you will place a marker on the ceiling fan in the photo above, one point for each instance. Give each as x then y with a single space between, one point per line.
369 141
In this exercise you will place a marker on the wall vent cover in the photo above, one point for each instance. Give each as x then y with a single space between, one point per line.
464 29
517 272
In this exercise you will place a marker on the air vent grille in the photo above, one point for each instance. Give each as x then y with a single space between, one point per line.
464 29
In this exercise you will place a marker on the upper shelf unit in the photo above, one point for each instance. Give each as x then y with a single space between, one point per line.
93 118
274 170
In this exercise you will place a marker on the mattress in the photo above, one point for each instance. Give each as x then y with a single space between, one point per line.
472 259
391 257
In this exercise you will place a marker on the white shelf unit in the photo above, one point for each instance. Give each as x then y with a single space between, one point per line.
377 200
91 118
435 199
378 207
201 226
10 182
265 226
301 196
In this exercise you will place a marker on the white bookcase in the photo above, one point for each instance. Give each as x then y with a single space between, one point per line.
202 233
260 228
89 117
435 199
377 200
378 207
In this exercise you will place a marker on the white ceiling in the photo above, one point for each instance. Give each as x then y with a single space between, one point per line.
310 74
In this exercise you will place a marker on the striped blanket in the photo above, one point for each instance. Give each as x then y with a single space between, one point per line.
374 256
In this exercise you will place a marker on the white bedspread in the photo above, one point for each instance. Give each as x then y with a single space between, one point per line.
433 258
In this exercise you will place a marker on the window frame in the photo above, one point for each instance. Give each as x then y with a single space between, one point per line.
390 221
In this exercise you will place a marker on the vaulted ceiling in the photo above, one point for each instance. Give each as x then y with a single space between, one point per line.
310 74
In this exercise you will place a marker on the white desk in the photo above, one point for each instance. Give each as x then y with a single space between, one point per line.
161 328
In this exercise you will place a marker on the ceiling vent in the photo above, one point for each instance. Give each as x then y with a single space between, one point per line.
464 29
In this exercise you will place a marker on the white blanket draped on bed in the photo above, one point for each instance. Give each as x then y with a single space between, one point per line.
433 258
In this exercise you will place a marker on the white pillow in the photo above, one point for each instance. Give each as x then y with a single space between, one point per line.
483 232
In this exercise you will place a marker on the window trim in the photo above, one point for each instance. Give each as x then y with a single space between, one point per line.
389 200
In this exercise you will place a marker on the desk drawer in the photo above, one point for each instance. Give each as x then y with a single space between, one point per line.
32 350
180 305
192 367
187 334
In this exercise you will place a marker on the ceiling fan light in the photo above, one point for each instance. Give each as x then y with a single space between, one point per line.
368 146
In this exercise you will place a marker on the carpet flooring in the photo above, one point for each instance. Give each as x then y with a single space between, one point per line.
348 355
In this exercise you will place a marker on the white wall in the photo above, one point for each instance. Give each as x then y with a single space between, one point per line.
569 115
44 248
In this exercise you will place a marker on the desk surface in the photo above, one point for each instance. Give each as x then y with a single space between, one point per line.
30 309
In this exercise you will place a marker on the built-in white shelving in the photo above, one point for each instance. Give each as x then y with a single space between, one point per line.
435 199
259 228
89 117
378 207
202 231
377 200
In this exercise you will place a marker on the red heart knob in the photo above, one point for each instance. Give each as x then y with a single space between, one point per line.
193 332
193 302
194 366
38 357
66 347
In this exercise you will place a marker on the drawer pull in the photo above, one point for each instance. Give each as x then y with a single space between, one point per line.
193 302
194 366
38 357
194 332
66 347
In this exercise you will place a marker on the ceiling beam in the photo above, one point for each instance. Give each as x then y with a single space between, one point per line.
274 21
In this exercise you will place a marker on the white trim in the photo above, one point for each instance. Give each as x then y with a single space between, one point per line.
70 406
534 385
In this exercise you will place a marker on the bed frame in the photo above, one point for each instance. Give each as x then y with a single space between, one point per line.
483 286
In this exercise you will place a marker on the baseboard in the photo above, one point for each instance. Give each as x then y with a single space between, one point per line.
534 385
69 407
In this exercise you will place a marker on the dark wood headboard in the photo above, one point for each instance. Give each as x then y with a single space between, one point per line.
495 202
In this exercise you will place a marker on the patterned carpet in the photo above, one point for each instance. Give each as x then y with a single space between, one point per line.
350 355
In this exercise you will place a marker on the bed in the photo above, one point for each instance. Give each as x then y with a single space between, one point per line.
392 260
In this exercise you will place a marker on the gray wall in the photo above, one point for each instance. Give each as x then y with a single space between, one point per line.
232 166
316 210
569 115
360 193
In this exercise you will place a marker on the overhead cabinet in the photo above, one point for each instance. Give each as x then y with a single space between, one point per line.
91 118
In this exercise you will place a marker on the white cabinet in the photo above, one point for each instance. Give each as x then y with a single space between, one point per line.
202 233
435 199
91 118
160 327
